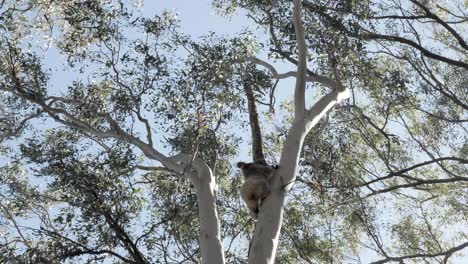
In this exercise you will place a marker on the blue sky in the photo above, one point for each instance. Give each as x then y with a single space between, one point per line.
198 18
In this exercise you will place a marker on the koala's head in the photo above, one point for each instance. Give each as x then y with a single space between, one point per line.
258 163
255 169
242 165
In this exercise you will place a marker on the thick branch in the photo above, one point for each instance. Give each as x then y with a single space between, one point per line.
265 240
211 246
299 91
310 77
324 105
115 131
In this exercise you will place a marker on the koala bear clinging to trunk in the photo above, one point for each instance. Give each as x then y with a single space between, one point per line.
256 186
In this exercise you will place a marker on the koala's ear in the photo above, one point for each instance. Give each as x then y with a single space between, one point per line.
240 164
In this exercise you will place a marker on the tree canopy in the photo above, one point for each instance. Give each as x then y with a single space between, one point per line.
119 133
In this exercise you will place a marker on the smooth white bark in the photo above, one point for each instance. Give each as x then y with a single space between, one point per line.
210 239
265 240
211 246
202 178
266 235
324 80
299 91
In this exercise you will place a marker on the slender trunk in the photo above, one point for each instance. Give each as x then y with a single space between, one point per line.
210 240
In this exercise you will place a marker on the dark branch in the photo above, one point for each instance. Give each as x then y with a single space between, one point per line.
257 147
446 253
403 171
415 45
452 31
418 182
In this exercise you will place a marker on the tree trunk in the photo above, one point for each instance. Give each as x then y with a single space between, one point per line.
266 236
270 220
211 246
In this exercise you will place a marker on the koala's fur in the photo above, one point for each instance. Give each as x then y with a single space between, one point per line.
256 186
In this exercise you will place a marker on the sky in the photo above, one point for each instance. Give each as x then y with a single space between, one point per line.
196 19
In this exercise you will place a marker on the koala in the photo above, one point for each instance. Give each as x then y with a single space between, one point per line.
256 186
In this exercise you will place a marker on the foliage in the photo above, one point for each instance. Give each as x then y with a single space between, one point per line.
382 176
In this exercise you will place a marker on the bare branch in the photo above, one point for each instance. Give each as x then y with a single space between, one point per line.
415 45
452 31
417 182
257 146
325 104
310 77
446 253
85 250
416 166
115 131
272 69
15 224
299 91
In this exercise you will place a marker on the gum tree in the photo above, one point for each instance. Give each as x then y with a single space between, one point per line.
125 154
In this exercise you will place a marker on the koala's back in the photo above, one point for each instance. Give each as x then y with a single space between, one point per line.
258 170
255 187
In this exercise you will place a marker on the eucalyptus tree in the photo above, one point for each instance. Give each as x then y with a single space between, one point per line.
125 154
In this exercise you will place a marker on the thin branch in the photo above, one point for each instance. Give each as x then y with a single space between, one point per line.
422 164
443 117
15 224
119 231
115 131
20 127
375 36
424 51
399 17
416 183
272 69
85 250
454 33
446 253
463 18
310 77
